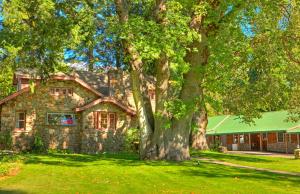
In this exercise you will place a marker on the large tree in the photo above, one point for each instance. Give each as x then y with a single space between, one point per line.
206 50
237 56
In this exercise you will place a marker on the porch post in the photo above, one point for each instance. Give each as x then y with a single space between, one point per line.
298 139
260 142
286 142
250 142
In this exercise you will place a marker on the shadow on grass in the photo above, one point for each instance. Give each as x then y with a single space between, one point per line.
221 156
79 160
2 191
181 169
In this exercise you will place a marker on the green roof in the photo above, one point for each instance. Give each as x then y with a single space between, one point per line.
294 129
270 121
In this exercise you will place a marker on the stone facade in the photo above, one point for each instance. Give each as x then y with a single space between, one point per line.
80 137
94 140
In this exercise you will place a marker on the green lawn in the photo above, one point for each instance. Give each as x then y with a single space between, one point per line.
275 163
59 173
8 162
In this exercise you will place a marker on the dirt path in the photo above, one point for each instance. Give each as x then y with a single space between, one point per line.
247 167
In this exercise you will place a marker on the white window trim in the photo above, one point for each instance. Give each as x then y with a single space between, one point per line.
61 113
282 139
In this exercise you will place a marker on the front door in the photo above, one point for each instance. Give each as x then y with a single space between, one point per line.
255 143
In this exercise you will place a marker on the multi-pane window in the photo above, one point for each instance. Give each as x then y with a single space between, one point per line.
280 137
64 119
235 139
61 91
21 120
105 120
242 139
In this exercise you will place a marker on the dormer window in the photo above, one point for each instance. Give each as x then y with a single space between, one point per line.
61 91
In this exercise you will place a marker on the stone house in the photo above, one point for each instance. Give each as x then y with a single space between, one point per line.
81 111
272 132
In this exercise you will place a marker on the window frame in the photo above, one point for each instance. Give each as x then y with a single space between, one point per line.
98 120
17 120
59 91
61 113
283 137
243 138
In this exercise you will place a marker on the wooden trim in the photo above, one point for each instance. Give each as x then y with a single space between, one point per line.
14 95
298 139
260 142
64 78
17 120
107 100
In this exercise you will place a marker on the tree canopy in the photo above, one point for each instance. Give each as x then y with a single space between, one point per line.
237 56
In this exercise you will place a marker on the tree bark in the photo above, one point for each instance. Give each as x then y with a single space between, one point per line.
144 113
199 139
161 115
178 143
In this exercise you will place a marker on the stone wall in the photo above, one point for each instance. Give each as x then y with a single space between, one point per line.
37 105
95 140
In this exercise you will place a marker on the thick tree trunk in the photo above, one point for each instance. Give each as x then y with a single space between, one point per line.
144 113
199 138
161 118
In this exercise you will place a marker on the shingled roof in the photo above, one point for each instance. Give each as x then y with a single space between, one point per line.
97 81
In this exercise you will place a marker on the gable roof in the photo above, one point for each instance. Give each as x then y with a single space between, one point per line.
270 121
14 95
55 77
96 80
107 100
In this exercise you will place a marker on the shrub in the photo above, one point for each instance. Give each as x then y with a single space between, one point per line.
38 145
215 146
6 140
132 140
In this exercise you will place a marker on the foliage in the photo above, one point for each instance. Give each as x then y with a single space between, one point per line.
215 146
5 140
132 140
38 145
9 162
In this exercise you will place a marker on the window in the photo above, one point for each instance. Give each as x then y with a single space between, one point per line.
61 91
242 139
64 119
105 120
235 139
21 120
280 137
264 136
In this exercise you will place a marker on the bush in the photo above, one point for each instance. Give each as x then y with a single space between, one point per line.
8 162
215 146
6 140
132 140
38 145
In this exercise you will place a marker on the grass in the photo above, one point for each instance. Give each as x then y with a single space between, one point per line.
8 163
74 173
274 163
